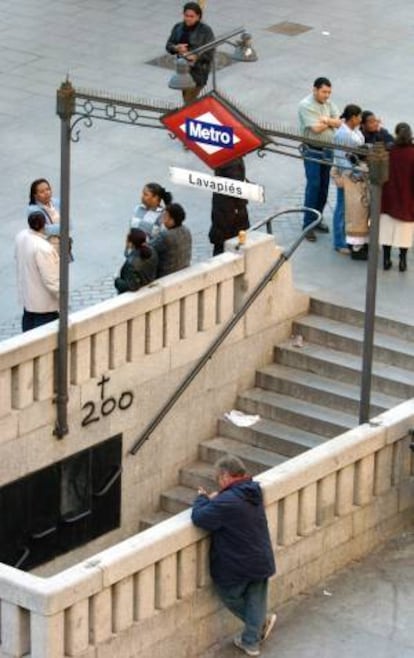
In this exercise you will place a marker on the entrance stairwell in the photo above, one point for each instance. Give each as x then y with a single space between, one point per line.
307 396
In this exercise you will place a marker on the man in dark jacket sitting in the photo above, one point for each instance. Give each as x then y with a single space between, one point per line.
189 34
173 243
241 555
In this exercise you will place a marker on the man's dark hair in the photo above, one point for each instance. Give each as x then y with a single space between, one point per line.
176 212
36 221
193 6
351 111
322 82
366 115
231 465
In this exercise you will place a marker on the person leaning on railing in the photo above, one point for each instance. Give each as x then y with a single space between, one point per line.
318 119
241 555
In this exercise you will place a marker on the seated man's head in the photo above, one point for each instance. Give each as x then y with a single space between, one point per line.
173 215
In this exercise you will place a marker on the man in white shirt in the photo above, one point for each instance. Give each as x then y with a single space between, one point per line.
37 264
318 119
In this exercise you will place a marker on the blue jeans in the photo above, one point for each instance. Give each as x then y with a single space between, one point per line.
32 320
248 601
317 182
339 240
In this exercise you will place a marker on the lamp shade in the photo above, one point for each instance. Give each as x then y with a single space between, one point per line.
181 78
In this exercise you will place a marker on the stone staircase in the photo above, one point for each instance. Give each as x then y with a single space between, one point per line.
307 396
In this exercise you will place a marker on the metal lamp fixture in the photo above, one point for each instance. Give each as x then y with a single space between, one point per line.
182 78
244 51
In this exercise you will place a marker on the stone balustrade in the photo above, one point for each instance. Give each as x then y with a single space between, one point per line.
126 357
150 595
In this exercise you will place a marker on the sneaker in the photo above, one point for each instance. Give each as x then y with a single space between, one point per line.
268 626
249 651
343 250
322 227
310 236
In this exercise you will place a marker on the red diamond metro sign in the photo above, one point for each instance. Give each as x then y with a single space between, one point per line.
214 130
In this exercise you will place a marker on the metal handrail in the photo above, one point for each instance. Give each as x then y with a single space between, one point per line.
284 256
286 211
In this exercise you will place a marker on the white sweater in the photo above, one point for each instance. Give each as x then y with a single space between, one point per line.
37 272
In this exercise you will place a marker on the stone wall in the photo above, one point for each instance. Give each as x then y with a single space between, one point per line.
150 595
139 346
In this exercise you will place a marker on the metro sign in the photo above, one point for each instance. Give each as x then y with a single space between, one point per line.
214 130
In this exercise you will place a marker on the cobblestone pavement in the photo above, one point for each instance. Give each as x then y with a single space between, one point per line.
107 45
365 609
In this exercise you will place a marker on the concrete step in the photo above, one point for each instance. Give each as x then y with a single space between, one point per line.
198 474
343 367
177 499
255 459
272 435
202 473
152 519
355 316
349 338
299 413
319 389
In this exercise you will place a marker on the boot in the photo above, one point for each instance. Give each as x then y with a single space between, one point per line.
386 252
403 260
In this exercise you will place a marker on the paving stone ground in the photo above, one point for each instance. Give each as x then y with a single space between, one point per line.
364 48
367 609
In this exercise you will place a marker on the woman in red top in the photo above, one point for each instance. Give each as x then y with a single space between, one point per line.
397 208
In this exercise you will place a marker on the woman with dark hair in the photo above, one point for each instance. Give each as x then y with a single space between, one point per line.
397 207
189 34
350 219
140 266
148 214
41 200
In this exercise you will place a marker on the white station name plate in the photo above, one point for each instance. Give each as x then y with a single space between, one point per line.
207 183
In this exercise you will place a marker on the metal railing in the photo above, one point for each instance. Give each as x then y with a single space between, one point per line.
284 256
77 107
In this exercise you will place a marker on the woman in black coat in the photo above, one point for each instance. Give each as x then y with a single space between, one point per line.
228 214
140 266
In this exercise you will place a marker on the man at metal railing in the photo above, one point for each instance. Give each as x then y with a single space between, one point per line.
318 118
241 554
